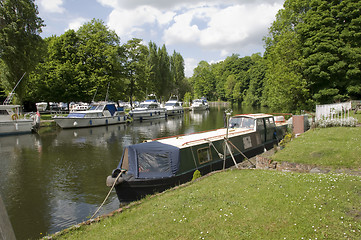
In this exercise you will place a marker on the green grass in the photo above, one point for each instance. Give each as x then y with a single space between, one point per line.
247 204
338 147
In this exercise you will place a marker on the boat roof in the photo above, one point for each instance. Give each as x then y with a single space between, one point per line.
183 141
4 107
253 115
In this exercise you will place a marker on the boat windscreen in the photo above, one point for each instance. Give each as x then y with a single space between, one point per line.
242 122
153 160
76 115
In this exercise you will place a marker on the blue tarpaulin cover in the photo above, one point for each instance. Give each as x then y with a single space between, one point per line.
112 109
152 160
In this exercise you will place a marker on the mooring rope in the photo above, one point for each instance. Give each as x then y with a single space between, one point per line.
106 198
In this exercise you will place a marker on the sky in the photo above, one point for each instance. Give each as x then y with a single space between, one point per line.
208 30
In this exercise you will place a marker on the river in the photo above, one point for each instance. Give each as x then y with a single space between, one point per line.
53 180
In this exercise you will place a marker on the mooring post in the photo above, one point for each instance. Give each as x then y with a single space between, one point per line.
6 230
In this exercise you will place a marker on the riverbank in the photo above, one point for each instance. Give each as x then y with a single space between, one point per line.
251 203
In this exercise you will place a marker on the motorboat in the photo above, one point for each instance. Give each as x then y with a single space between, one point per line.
98 114
174 106
159 164
148 109
199 104
41 106
11 122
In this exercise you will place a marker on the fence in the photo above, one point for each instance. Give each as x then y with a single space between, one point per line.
338 111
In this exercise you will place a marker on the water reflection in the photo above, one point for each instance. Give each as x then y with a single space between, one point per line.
51 181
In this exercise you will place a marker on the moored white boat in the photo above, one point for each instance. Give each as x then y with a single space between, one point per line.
12 123
41 106
173 106
149 109
199 104
98 114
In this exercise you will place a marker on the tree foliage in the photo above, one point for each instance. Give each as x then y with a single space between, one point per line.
79 66
313 54
20 42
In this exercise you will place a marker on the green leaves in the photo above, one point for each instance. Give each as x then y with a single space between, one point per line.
314 45
20 43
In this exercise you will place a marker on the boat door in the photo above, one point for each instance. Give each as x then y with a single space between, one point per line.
261 129
270 128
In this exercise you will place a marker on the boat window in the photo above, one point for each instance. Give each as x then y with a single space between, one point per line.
154 163
268 124
3 112
248 123
242 123
260 124
235 122
204 155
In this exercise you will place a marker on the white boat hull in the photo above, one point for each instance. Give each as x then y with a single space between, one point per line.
174 111
148 114
16 127
65 122
199 108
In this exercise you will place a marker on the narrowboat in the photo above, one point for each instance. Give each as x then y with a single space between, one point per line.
159 164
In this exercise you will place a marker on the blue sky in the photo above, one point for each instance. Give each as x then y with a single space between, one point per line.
207 30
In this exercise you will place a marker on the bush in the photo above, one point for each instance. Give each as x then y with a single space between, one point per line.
348 122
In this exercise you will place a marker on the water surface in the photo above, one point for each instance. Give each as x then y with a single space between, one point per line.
54 180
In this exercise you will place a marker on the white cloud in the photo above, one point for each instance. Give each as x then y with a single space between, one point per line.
227 29
129 22
53 6
189 65
217 27
75 24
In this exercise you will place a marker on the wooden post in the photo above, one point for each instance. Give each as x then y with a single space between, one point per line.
6 230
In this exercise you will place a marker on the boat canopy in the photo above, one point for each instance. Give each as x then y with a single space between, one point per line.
150 160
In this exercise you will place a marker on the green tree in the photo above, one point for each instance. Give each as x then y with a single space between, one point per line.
203 81
78 65
100 61
313 54
331 43
256 74
136 68
20 42
177 73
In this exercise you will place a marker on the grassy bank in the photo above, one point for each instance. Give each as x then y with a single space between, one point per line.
253 204
338 147
248 204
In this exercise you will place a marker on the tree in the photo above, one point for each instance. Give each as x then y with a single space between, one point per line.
136 69
203 81
177 73
78 65
99 61
256 74
313 54
19 42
